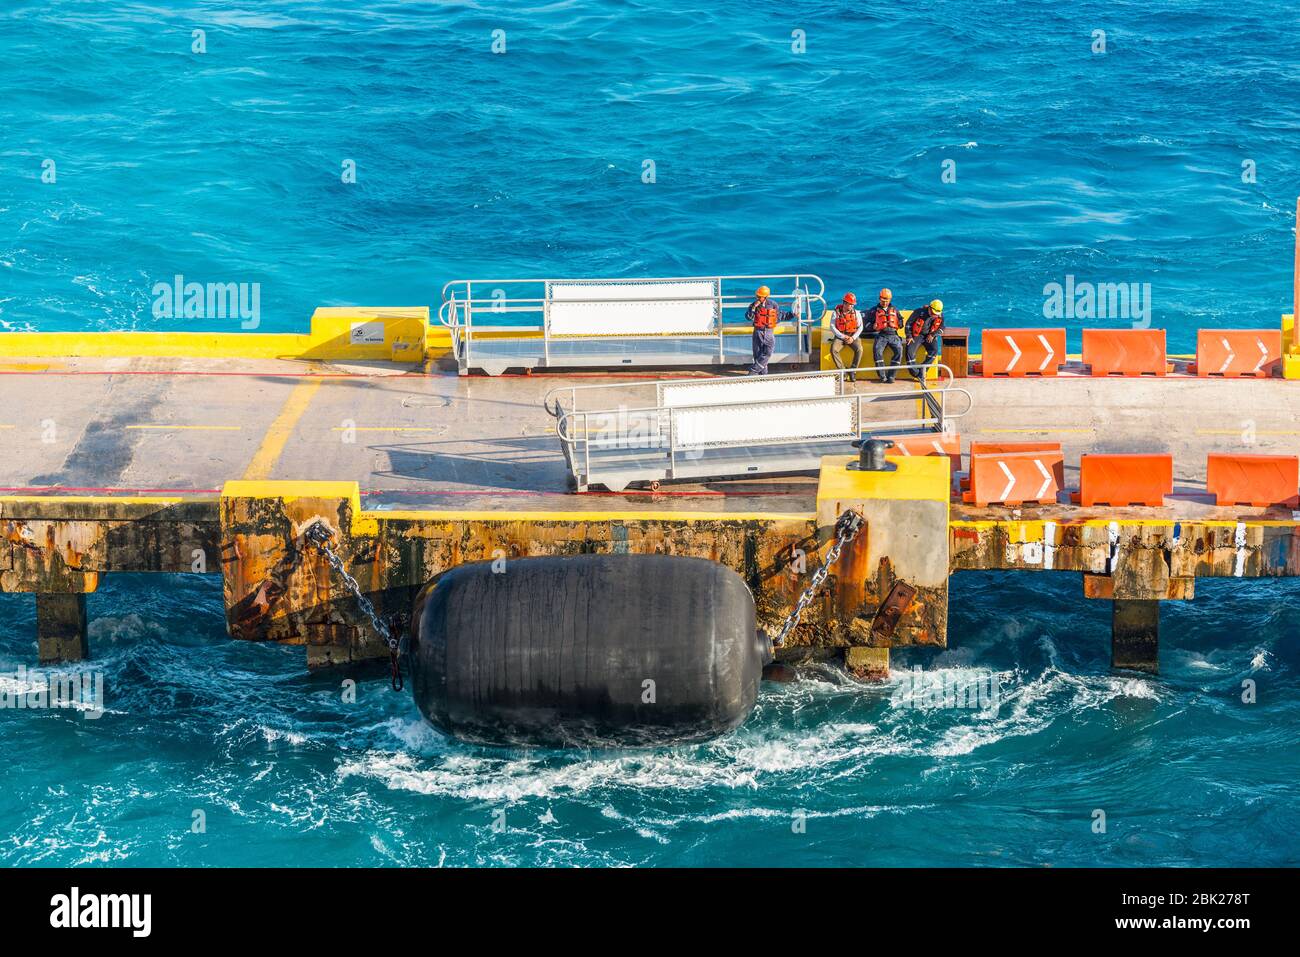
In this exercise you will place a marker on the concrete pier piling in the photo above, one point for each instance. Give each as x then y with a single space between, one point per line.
1135 634
61 628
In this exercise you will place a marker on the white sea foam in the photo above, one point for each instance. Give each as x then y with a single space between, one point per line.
758 754
273 735
114 628
763 753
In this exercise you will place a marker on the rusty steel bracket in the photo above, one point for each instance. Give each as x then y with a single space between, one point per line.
257 605
892 609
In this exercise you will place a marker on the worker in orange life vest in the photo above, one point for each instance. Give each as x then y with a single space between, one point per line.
885 322
846 330
764 314
925 328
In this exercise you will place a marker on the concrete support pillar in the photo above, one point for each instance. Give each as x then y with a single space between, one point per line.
890 586
61 628
274 593
1135 634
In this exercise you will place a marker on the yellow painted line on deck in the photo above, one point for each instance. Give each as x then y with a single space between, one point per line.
385 428
196 428
1241 431
277 436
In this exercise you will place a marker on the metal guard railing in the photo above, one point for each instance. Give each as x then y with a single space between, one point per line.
460 304
657 430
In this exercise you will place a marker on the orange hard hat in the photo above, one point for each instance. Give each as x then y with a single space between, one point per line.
762 292
886 295
850 298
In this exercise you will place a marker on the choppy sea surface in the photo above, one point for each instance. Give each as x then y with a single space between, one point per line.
1171 159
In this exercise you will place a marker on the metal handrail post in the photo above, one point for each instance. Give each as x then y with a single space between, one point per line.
722 327
449 320
469 321
546 325
586 448
806 304
672 443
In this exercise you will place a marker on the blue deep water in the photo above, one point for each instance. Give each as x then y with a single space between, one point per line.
1128 166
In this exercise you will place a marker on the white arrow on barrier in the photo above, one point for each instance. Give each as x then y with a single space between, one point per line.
1263 355
1231 355
1012 364
1011 481
1047 478
1050 352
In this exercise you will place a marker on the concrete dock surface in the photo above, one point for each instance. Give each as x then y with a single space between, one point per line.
413 438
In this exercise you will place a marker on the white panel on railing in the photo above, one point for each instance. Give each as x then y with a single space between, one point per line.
735 424
748 389
644 311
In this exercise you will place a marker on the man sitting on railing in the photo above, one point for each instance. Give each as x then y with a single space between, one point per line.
764 314
924 328
846 330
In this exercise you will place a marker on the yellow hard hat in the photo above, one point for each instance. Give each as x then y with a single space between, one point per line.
936 305
763 292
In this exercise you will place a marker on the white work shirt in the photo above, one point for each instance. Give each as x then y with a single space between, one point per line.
857 316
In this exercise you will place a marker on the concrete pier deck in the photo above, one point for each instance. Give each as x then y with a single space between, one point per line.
415 439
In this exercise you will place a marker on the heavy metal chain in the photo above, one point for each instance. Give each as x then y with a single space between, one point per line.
318 536
846 529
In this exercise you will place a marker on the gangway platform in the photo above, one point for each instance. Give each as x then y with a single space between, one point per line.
734 426
501 324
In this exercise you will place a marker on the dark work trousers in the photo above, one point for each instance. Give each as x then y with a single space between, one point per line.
890 341
933 346
764 346
837 350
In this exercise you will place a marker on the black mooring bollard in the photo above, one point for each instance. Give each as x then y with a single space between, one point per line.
871 455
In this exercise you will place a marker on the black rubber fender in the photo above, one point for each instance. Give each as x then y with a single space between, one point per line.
586 651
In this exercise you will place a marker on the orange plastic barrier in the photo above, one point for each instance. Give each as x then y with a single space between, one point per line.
1238 352
1125 351
1017 352
1015 478
984 448
1253 479
1125 479
937 443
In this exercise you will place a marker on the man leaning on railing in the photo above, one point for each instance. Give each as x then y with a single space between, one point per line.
764 314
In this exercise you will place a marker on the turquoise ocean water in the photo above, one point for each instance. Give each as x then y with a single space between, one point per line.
226 166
